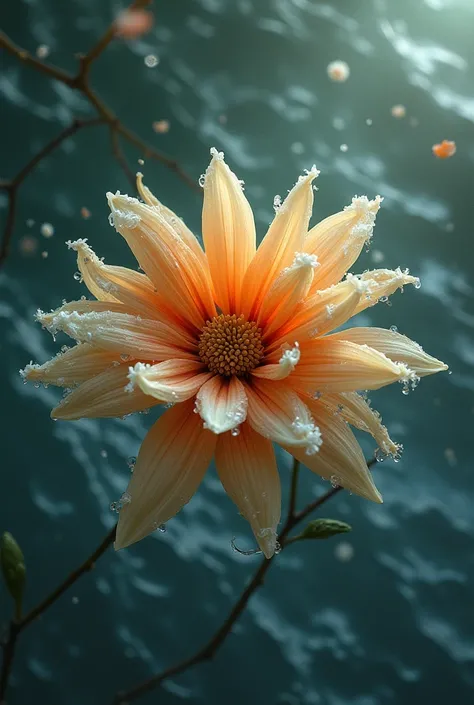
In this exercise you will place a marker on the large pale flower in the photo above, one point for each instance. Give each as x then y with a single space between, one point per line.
236 341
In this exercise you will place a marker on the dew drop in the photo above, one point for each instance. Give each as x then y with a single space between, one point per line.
235 431
77 276
335 481
131 462
394 329
151 61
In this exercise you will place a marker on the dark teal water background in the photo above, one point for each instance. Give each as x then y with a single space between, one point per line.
394 625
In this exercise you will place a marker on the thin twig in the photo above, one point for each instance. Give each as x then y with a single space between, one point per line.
80 83
12 186
120 156
17 626
294 488
209 650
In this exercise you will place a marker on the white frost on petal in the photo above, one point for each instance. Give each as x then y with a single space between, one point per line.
133 373
362 286
76 244
408 378
217 155
367 211
290 358
309 433
122 218
303 259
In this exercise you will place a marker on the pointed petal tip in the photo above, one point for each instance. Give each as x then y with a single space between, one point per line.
267 540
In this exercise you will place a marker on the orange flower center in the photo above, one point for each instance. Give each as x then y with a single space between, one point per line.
230 345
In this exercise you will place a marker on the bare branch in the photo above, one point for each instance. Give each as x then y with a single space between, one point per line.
30 60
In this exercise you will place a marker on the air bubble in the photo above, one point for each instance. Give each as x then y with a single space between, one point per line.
78 276
394 329
131 462
151 61
202 180
235 431
335 481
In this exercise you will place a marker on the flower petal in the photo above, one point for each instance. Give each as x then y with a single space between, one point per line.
170 381
170 466
102 396
395 346
320 313
277 413
175 221
354 409
382 283
287 291
72 367
337 241
328 365
228 231
180 282
340 458
120 332
222 404
248 471
287 363
284 238
117 284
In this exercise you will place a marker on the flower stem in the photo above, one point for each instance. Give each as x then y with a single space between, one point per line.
17 625
208 651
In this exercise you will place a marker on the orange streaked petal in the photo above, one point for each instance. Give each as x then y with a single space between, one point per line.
72 367
248 471
171 463
284 238
287 363
174 269
170 381
287 291
395 346
222 404
278 413
382 283
337 241
102 396
340 458
116 284
228 231
120 332
175 221
354 409
337 366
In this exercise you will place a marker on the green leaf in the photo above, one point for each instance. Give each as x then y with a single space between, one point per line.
13 568
323 529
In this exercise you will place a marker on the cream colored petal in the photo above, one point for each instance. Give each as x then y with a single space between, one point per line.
175 221
284 238
287 363
72 367
116 284
170 466
228 230
340 458
396 347
277 413
248 471
337 241
222 404
287 291
337 366
121 332
181 283
382 283
354 409
320 313
102 396
170 381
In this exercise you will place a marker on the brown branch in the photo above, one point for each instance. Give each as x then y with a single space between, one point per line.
17 626
120 156
106 38
30 60
209 650
12 186
80 82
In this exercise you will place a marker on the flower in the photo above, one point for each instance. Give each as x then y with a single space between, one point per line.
237 342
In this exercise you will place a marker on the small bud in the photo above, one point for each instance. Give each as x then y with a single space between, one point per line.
13 569
323 529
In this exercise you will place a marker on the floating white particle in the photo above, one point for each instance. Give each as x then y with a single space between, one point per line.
47 230
398 111
338 71
151 61
344 147
344 551
338 123
297 148
42 51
